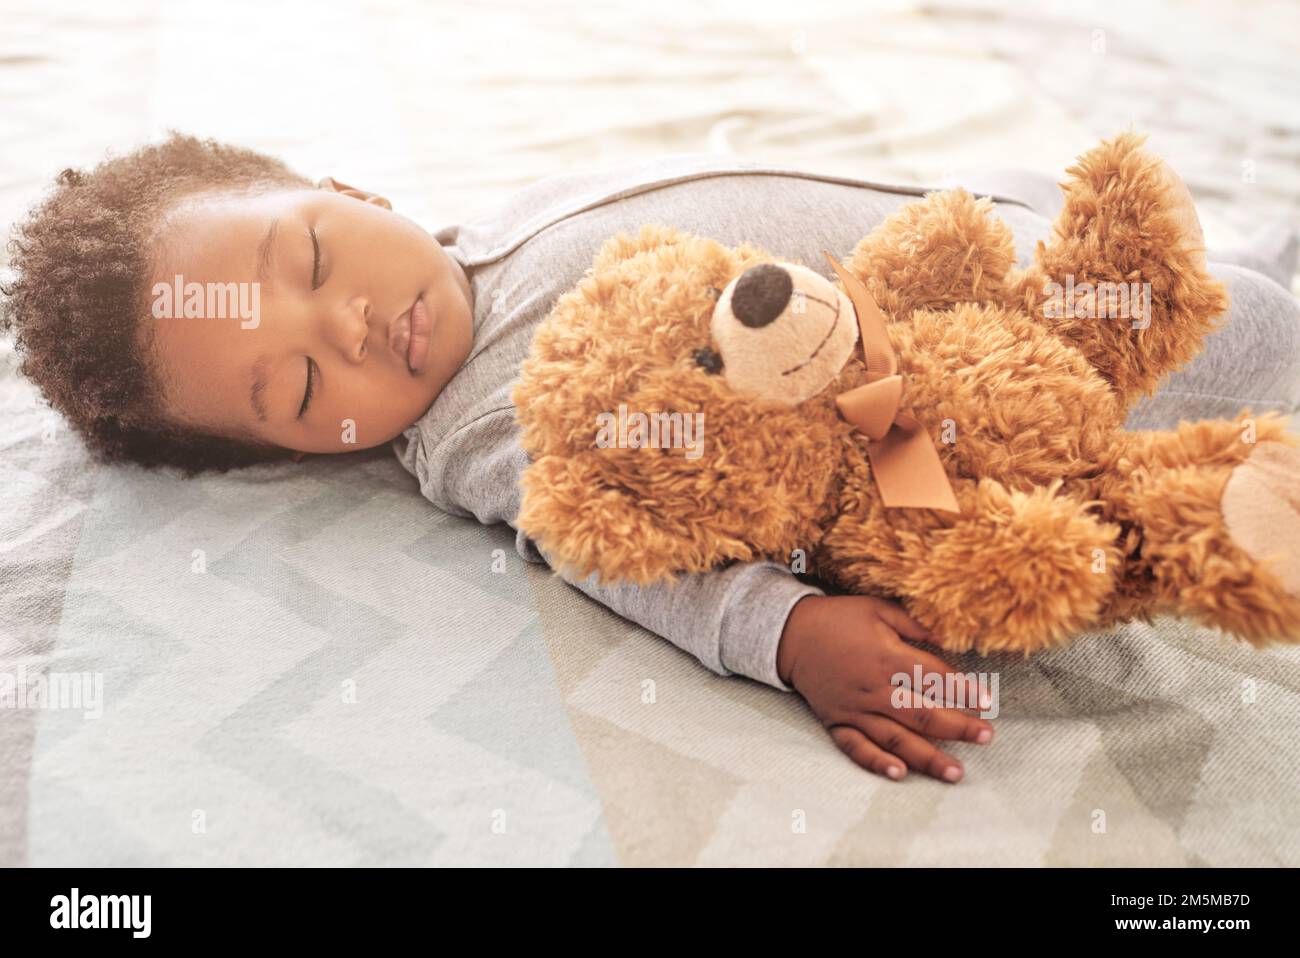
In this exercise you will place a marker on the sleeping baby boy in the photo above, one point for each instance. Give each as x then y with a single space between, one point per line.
199 306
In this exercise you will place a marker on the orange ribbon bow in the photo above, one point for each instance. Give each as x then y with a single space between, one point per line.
902 454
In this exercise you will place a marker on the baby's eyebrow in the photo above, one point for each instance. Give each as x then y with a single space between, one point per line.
266 252
258 388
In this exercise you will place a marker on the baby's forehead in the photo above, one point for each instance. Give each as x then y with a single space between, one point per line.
196 213
223 236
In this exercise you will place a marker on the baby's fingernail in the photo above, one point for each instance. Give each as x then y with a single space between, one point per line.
894 772
951 774
985 736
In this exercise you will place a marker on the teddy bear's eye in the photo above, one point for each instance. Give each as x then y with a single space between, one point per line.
708 360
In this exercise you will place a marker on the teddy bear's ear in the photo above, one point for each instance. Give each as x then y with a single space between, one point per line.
584 522
625 246
946 249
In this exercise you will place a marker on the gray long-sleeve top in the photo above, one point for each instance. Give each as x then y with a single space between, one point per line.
521 257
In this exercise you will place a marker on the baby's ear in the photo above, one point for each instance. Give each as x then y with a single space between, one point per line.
334 186
625 246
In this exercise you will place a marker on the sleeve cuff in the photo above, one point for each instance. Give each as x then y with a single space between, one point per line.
754 618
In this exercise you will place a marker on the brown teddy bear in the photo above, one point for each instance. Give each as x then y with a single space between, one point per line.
960 448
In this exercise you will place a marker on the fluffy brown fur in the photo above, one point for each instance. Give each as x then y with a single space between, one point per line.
1066 521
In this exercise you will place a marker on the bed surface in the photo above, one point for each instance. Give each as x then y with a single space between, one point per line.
311 665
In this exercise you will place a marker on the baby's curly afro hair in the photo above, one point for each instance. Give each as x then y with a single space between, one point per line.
82 262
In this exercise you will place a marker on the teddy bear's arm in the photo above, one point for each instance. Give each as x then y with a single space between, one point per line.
1123 278
587 524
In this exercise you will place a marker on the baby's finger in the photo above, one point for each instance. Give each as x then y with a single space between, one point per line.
928 719
916 751
893 616
972 696
865 753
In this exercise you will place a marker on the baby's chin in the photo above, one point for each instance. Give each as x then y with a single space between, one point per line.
452 337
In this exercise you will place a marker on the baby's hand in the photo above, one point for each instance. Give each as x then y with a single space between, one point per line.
840 652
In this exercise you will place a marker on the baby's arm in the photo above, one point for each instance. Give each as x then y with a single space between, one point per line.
730 619
839 653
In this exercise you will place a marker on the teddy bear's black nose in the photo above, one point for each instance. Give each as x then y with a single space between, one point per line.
761 294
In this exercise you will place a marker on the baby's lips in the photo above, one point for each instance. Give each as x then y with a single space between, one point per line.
419 326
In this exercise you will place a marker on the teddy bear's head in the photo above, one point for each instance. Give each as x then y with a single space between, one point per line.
679 408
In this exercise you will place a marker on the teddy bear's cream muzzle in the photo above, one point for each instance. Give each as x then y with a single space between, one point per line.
783 331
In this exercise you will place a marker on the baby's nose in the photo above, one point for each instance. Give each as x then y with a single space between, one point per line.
761 294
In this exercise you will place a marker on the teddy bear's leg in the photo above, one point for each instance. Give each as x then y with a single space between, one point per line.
1212 517
1016 570
947 248
1123 277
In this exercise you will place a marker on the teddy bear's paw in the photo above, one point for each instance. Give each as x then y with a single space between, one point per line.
1019 572
1124 279
1261 510
1132 202
1182 211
